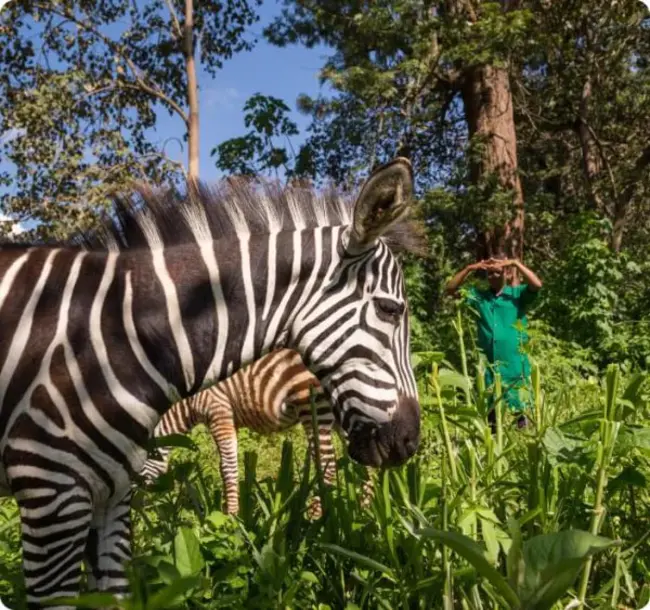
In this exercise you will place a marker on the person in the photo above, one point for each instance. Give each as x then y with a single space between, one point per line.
502 325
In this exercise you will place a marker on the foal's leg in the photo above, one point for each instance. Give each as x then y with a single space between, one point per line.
324 423
224 433
109 548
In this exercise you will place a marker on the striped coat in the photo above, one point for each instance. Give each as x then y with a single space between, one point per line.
270 395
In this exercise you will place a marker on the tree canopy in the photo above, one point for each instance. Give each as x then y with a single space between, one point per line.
526 123
81 83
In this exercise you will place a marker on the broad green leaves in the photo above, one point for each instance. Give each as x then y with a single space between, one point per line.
187 553
547 565
540 570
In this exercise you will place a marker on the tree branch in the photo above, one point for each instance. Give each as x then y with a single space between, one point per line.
177 25
140 84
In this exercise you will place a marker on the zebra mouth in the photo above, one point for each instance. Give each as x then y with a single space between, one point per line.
390 444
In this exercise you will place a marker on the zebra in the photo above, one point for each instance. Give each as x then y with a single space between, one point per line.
176 289
270 395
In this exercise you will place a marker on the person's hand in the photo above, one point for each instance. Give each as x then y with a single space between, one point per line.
480 266
501 263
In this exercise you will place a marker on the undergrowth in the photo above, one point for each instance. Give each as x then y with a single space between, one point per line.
553 516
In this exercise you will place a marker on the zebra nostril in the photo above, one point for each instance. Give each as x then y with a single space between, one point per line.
411 445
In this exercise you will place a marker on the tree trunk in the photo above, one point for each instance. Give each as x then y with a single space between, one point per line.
192 92
591 160
624 199
489 112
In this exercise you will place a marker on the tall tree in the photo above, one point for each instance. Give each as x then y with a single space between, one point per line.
413 69
484 81
581 97
81 84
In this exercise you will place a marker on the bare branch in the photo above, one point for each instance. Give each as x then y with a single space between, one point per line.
174 16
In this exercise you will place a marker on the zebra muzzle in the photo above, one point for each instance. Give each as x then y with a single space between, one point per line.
390 444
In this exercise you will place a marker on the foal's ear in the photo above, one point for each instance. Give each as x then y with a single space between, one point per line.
383 200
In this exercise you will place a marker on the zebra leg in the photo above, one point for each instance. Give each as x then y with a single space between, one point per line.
324 423
224 433
55 526
109 548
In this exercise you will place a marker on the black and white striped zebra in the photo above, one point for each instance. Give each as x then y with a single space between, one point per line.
174 292
270 395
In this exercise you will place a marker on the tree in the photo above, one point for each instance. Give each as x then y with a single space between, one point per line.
414 69
86 95
452 83
492 101
258 151
581 97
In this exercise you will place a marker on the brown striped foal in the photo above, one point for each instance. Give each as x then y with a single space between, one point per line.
268 396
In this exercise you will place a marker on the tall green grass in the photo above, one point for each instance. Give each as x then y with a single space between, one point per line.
553 516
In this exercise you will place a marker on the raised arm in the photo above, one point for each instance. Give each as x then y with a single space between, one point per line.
531 278
455 282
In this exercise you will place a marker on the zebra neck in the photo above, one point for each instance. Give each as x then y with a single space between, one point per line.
181 418
200 312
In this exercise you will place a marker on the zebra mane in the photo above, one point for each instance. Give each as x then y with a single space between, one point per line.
164 217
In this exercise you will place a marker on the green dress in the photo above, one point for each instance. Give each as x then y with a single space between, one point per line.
502 336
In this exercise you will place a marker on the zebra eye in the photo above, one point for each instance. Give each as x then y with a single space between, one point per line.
389 308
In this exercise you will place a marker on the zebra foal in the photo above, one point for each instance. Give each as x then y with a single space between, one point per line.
174 292
270 395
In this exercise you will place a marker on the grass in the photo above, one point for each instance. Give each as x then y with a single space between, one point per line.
554 516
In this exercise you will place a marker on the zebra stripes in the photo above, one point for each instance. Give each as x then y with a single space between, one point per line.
270 395
173 292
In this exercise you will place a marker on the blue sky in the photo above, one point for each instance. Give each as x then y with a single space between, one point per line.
283 73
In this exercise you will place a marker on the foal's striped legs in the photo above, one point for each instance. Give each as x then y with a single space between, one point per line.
224 433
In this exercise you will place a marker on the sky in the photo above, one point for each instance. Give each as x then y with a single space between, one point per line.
281 72
284 73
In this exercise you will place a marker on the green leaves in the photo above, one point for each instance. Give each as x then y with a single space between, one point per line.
540 570
187 552
551 564
87 104
168 597
562 448
366 562
476 556
258 151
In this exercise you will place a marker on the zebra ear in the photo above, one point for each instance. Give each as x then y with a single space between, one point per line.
383 200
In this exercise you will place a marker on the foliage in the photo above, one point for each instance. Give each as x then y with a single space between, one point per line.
256 152
582 98
597 298
81 84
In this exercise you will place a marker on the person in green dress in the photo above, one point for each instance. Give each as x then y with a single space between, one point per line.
502 326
